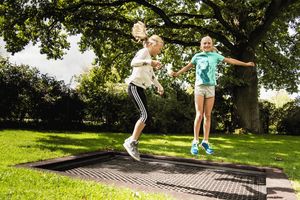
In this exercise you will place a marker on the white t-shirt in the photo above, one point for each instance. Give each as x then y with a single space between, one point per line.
142 73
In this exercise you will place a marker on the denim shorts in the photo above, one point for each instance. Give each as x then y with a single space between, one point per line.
205 90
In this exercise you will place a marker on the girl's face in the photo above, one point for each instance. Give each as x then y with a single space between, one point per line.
156 49
206 44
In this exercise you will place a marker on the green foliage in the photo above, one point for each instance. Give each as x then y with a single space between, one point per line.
289 122
25 94
269 116
95 90
18 86
172 113
222 119
281 120
108 104
278 54
34 24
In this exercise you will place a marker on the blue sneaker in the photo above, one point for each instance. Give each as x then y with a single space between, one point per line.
207 148
194 149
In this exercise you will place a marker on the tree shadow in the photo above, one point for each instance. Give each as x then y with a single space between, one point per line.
71 145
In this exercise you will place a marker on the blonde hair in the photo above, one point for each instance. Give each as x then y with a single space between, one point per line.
212 43
139 32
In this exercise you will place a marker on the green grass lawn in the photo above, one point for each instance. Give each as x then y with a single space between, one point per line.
18 146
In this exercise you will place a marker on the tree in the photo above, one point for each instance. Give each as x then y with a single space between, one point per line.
16 88
246 30
27 94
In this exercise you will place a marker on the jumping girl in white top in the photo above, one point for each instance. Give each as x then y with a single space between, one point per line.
141 78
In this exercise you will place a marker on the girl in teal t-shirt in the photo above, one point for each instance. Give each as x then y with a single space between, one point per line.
206 64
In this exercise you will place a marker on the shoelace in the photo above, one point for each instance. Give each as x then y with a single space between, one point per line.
134 145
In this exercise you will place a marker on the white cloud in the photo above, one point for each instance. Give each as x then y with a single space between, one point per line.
73 63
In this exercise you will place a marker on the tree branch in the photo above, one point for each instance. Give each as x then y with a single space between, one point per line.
157 10
181 42
190 15
75 7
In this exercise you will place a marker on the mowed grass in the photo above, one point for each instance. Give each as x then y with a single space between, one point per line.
19 146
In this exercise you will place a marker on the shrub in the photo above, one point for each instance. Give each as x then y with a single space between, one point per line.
290 121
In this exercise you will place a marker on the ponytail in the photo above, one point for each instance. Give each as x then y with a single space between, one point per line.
139 32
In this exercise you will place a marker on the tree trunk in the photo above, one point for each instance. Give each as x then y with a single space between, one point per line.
245 97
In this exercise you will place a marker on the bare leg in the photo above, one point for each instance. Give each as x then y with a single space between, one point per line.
208 106
199 102
138 128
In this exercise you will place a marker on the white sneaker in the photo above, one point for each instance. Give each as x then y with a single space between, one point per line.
131 148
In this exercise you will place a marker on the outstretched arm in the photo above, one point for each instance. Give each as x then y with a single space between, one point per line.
238 62
182 70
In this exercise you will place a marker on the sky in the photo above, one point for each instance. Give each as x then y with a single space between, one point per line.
73 63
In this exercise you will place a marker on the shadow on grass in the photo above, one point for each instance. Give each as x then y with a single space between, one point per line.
72 145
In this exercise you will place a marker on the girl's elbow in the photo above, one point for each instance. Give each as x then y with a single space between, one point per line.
230 61
226 60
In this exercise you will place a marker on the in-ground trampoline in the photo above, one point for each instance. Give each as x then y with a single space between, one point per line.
181 178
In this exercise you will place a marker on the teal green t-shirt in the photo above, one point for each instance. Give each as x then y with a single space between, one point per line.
206 66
